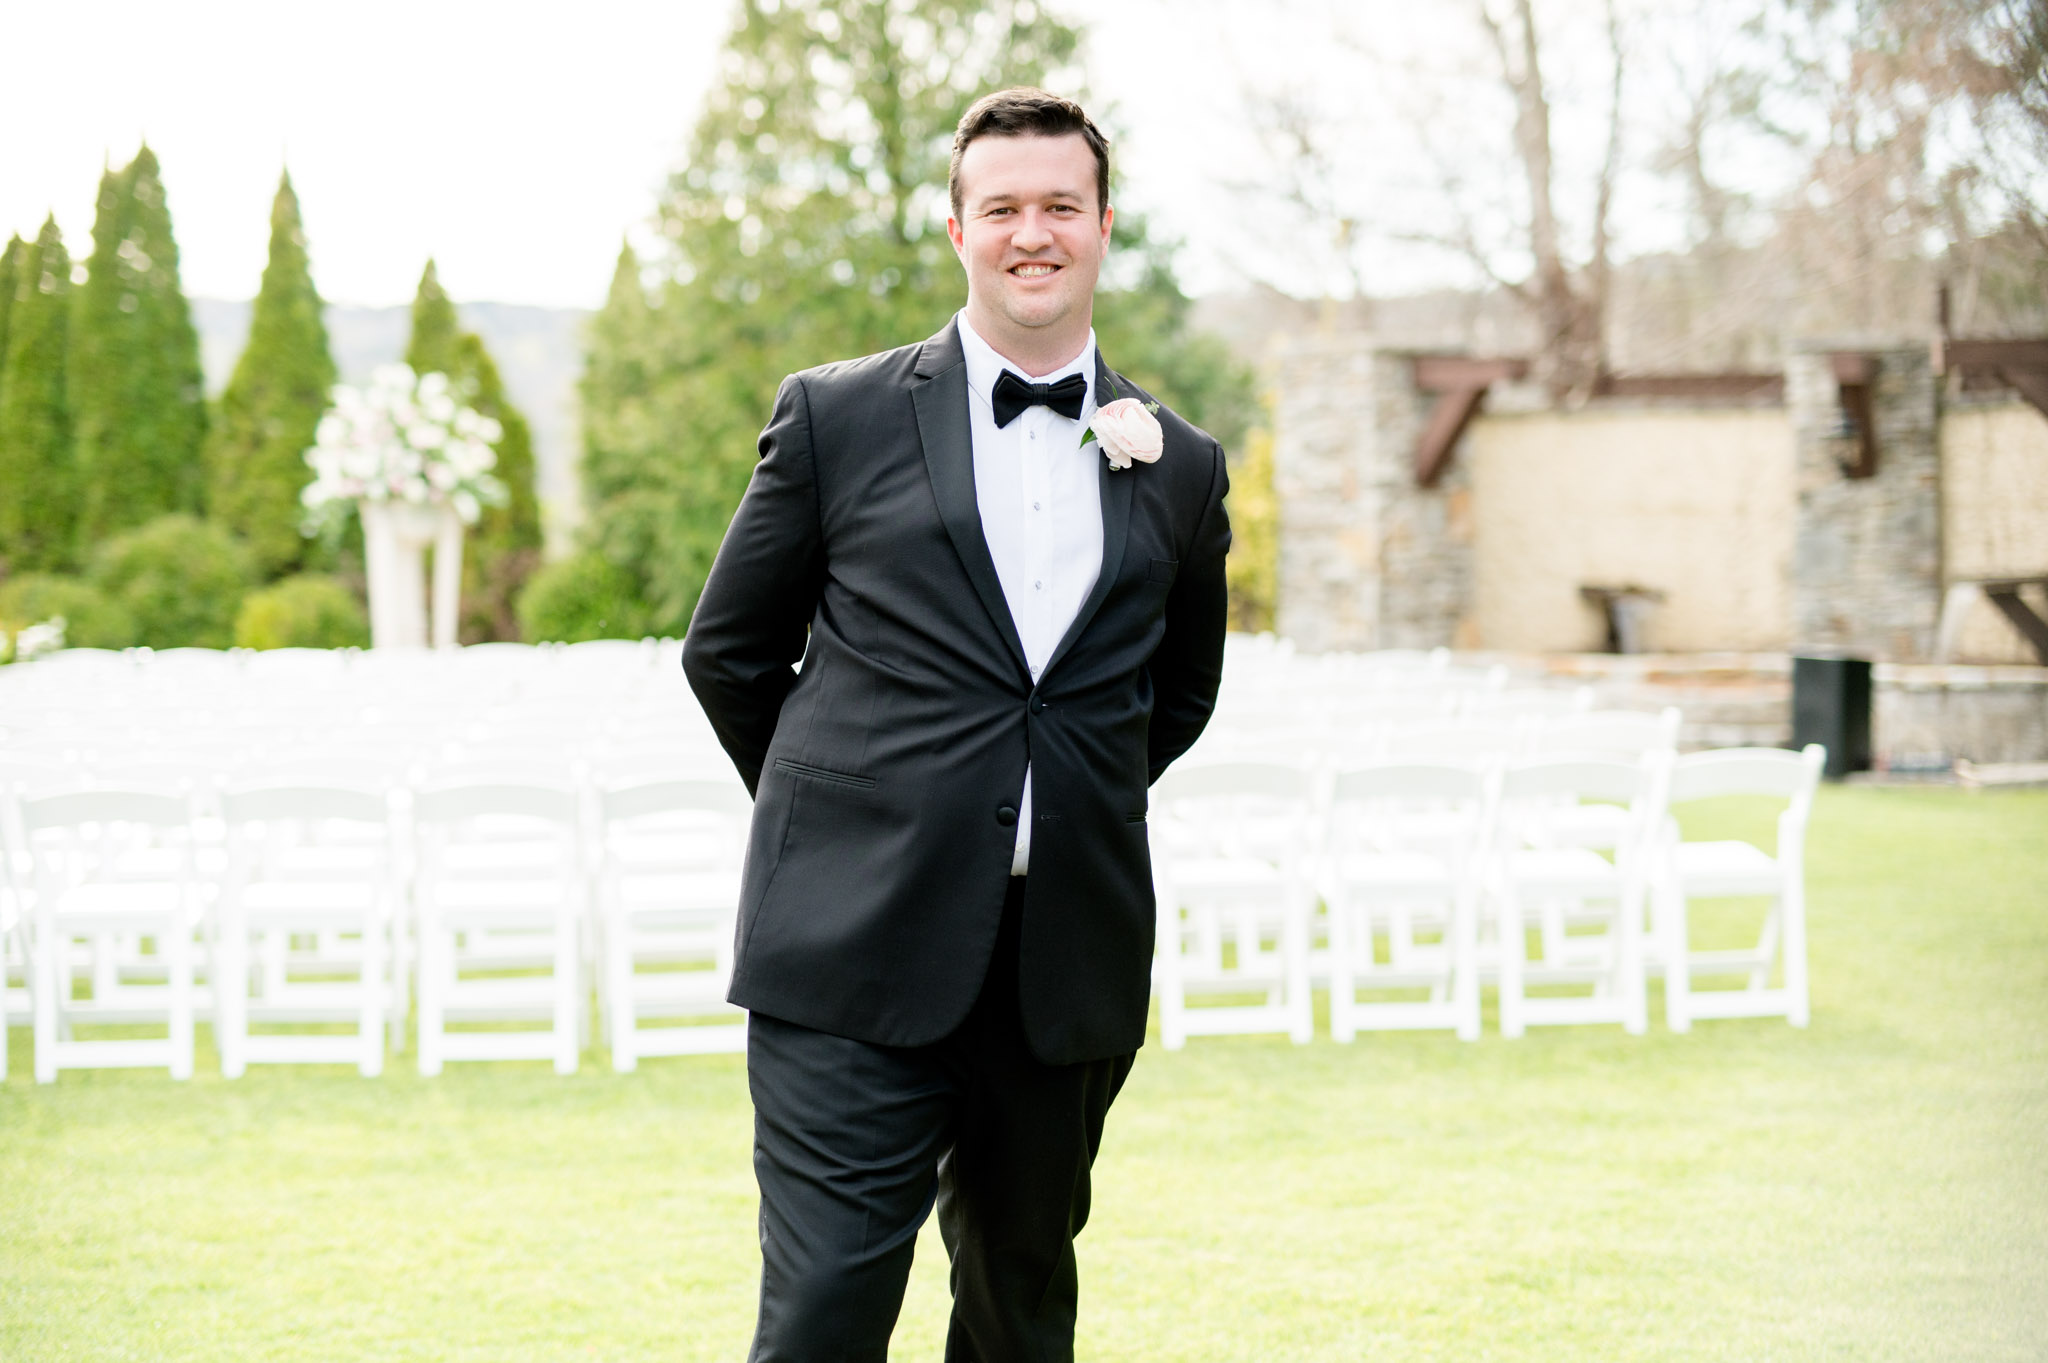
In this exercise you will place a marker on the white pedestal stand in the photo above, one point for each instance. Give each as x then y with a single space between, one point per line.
395 540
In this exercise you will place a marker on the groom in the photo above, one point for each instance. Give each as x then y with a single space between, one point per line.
946 922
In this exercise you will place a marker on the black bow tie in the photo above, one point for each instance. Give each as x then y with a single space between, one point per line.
1014 393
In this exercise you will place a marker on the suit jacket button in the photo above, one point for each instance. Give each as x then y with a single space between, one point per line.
1037 705
1006 816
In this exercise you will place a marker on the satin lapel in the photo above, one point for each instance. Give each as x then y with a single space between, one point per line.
1116 527
941 403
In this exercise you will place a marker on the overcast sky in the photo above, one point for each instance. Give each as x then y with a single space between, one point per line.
517 142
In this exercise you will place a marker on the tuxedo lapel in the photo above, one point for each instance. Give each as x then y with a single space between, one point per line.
1116 525
940 400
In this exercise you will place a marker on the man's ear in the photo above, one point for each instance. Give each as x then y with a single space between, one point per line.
954 235
1108 217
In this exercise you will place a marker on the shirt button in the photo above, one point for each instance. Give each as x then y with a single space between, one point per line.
1038 586
1034 506
1034 435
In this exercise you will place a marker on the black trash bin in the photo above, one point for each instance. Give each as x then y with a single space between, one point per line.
1831 706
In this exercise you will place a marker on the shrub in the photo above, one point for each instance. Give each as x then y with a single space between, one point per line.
181 579
584 596
92 619
311 610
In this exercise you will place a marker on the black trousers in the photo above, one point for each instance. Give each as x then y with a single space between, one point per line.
853 1145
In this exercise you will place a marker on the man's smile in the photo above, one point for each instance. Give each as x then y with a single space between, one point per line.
1033 269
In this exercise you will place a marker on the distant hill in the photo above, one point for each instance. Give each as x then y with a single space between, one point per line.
539 351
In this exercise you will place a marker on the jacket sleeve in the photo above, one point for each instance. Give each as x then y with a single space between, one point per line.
1187 666
752 622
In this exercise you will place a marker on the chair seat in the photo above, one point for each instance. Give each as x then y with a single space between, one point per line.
1213 873
701 890
273 898
1565 870
1390 871
120 905
1727 868
497 857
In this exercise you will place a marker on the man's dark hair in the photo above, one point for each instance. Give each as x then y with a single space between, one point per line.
1026 112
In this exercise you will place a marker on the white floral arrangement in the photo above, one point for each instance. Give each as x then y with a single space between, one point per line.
404 438
33 641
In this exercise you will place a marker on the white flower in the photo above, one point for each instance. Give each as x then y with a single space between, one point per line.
466 507
1126 430
46 636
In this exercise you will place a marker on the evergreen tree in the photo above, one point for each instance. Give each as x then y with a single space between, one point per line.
137 392
431 348
809 226
503 548
11 266
256 449
37 507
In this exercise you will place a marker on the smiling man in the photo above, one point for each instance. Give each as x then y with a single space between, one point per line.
1002 574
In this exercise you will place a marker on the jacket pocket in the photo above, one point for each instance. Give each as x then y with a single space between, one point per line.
1134 818
1163 570
825 774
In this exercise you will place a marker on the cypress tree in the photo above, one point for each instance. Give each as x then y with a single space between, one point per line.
137 391
617 384
256 449
431 348
503 548
35 423
10 275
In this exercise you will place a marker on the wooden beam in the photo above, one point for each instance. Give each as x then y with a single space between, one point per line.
1448 373
2006 596
2023 354
2031 384
1447 421
1692 387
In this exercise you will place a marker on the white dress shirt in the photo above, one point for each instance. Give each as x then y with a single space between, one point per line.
1040 498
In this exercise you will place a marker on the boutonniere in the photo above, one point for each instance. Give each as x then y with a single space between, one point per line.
1126 429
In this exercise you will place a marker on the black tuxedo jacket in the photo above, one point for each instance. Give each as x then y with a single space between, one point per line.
886 772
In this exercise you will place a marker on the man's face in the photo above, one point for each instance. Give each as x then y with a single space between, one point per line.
1032 237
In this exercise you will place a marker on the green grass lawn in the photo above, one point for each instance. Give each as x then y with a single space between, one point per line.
1872 1188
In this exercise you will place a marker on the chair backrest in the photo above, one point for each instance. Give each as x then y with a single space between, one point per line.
662 797
105 805
1577 777
453 803
1394 780
1210 780
255 804
1748 771
1620 733
1455 740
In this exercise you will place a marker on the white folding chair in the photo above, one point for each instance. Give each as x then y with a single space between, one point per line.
1231 847
1730 869
306 926
114 868
499 902
1610 893
669 894
1381 874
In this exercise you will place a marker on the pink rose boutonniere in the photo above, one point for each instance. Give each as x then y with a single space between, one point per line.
1126 430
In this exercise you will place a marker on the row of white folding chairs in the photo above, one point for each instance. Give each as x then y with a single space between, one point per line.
1624 734
1400 884
322 901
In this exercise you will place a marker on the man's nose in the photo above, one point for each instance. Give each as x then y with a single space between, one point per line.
1032 232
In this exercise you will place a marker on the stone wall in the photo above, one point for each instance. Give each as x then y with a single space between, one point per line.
1367 558
1742 518
1866 568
